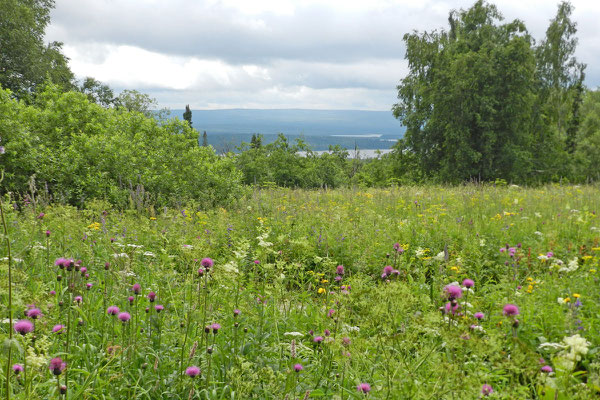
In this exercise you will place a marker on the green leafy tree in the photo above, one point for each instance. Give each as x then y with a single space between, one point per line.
25 61
204 139
467 97
98 92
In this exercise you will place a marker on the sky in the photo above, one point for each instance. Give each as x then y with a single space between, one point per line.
314 54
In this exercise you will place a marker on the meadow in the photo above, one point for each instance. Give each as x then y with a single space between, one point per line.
423 292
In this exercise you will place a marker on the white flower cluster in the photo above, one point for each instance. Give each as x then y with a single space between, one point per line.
573 265
420 252
441 256
572 349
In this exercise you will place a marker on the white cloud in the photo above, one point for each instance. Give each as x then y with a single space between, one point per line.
272 53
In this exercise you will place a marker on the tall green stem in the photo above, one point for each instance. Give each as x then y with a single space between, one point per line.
10 310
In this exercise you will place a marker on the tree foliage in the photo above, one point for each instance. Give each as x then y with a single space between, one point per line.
26 61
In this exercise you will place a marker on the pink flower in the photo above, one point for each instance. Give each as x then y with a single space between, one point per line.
192 371
387 270
453 292
17 369
207 262
57 366
468 283
340 270
318 339
34 313
151 296
330 313
124 316
159 308
137 289
479 315
78 299
363 388
298 367
510 310
23 327
215 328
486 390
547 369
58 329
112 310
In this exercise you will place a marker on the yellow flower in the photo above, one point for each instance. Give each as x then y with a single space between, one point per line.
529 288
454 268
95 226
529 279
321 290
576 295
153 218
567 300
324 281
593 271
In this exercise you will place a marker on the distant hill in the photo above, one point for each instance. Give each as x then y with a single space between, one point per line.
226 129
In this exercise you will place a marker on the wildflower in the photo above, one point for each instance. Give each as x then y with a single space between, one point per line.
468 283
486 390
298 367
327 332
321 290
453 292
137 289
52 293
152 297
17 369
318 339
130 299
330 313
207 262
159 308
23 327
200 271
547 369
58 329
62 262
57 366
478 315
48 233
192 371
34 313
363 388
78 299
236 312
340 270
510 310
215 328
112 310
124 316
449 308
576 295
88 285
387 270
398 248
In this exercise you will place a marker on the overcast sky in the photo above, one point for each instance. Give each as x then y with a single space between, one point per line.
336 54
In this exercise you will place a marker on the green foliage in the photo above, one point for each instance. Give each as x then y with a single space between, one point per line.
78 151
387 332
187 115
25 61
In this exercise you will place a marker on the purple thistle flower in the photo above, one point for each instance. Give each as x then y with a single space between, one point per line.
387 270
57 366
298 367
338 278
486 390
62 262
112 310
83 270
152 297
137 289
510 310
327 332
89 285
159 308
192 371
78 299
363 388
236 312
330 313
346 341
200 271
52 292
34 313
479 315
215 328
547 369
131 299
450 309
23 327
207 262
124 316
468 283
398 248
340 270
17 369
453 292
318 339
58 329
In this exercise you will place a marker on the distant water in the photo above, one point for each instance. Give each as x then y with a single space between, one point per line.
361 154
